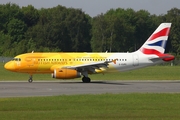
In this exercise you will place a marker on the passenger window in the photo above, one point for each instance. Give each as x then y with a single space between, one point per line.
18 59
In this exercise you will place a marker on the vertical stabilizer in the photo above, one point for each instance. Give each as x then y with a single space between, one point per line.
156 43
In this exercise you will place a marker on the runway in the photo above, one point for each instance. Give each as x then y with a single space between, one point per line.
25 89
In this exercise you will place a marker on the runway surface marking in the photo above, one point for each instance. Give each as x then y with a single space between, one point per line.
25 89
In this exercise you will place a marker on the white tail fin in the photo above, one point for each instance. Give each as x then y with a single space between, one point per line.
156 43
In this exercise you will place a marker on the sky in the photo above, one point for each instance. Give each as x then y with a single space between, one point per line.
95 7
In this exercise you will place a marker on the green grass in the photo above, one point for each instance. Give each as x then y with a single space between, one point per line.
149 73
92 107
133 106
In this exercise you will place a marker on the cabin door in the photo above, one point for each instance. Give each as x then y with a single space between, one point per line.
30 62
135 60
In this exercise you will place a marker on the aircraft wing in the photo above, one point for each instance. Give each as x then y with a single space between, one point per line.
92 66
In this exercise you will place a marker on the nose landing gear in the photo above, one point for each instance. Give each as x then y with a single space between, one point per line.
30 79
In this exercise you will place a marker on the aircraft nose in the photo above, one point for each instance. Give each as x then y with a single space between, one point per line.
9 66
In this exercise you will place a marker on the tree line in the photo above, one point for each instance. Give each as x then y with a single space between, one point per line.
25 29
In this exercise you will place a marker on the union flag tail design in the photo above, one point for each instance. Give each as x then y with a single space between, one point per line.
156 43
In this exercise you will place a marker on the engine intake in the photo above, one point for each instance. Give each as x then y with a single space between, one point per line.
65 74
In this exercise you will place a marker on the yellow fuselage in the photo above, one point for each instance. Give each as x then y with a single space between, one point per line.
47 62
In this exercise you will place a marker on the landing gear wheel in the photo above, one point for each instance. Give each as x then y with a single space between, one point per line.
86 80
30 79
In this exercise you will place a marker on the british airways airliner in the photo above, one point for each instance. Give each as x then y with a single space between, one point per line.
74 65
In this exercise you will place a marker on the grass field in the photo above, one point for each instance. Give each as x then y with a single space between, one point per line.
149 73
93 107
133 106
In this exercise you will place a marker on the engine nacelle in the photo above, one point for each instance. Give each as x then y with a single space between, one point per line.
65 74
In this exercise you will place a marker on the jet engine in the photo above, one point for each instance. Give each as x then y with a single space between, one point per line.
65 74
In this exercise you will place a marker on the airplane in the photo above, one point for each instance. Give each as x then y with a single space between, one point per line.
74 65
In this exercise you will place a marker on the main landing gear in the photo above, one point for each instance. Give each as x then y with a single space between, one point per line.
30 79
86 79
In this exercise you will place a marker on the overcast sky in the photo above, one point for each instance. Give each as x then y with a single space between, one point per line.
95 7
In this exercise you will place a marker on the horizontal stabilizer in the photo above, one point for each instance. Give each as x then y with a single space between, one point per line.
164 57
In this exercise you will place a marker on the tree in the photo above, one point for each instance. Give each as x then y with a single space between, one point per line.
113 31
173 16
5 44
16 29
98 41
8 12
78 27
31 15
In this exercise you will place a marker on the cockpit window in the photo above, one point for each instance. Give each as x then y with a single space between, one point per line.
16 59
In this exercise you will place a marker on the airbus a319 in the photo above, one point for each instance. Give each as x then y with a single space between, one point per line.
74 65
